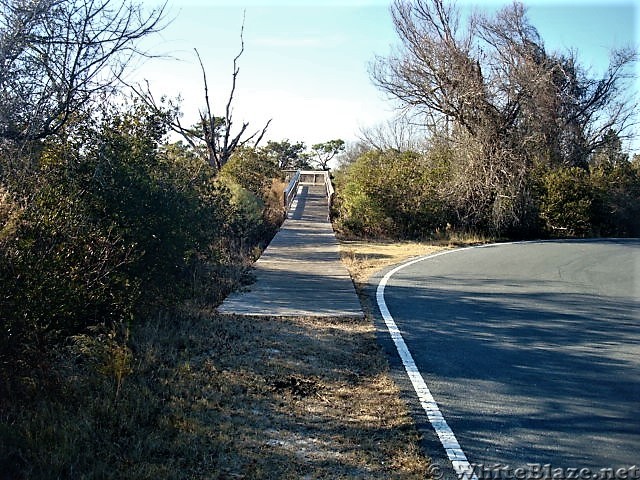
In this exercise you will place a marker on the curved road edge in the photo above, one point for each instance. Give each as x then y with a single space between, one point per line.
448 460
438 440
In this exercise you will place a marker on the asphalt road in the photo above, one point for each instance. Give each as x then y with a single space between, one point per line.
531 350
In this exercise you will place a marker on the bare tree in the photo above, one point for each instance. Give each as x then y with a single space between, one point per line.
434 73
399 133
489 75
491 86
551 98
58 55
212 138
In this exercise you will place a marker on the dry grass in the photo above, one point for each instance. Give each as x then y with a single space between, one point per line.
216 397
364 258
202 396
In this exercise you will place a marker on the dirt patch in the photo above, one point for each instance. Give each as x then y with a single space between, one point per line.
303 398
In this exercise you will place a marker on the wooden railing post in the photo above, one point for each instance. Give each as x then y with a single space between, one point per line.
330 191
290 192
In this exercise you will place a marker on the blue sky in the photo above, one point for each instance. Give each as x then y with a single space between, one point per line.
305 63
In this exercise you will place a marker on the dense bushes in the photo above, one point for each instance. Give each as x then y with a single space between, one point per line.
105 228
256 186
392 194
565 202
420 195
110 227
603 200
253 169
616 198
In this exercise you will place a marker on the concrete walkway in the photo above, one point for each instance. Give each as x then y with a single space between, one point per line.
300 273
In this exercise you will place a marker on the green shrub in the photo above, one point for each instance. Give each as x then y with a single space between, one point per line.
392 194
602 201
616 199
113 228
565 204
168 207
62 272
411 195
252 175
252 169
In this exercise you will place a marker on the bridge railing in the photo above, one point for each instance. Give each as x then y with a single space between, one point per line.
330 191
291 190
308 177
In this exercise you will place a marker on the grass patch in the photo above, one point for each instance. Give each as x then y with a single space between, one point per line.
216 397
365 257
195 395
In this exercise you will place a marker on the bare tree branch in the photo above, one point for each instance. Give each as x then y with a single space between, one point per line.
208 122
493 88
213 139
58 55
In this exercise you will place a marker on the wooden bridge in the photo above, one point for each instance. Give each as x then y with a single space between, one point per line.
300 273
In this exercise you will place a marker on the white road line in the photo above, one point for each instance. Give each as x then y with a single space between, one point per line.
448 440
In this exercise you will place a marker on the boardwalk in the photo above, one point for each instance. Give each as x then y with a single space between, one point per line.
300 273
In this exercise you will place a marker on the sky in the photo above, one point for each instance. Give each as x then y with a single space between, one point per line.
305 63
